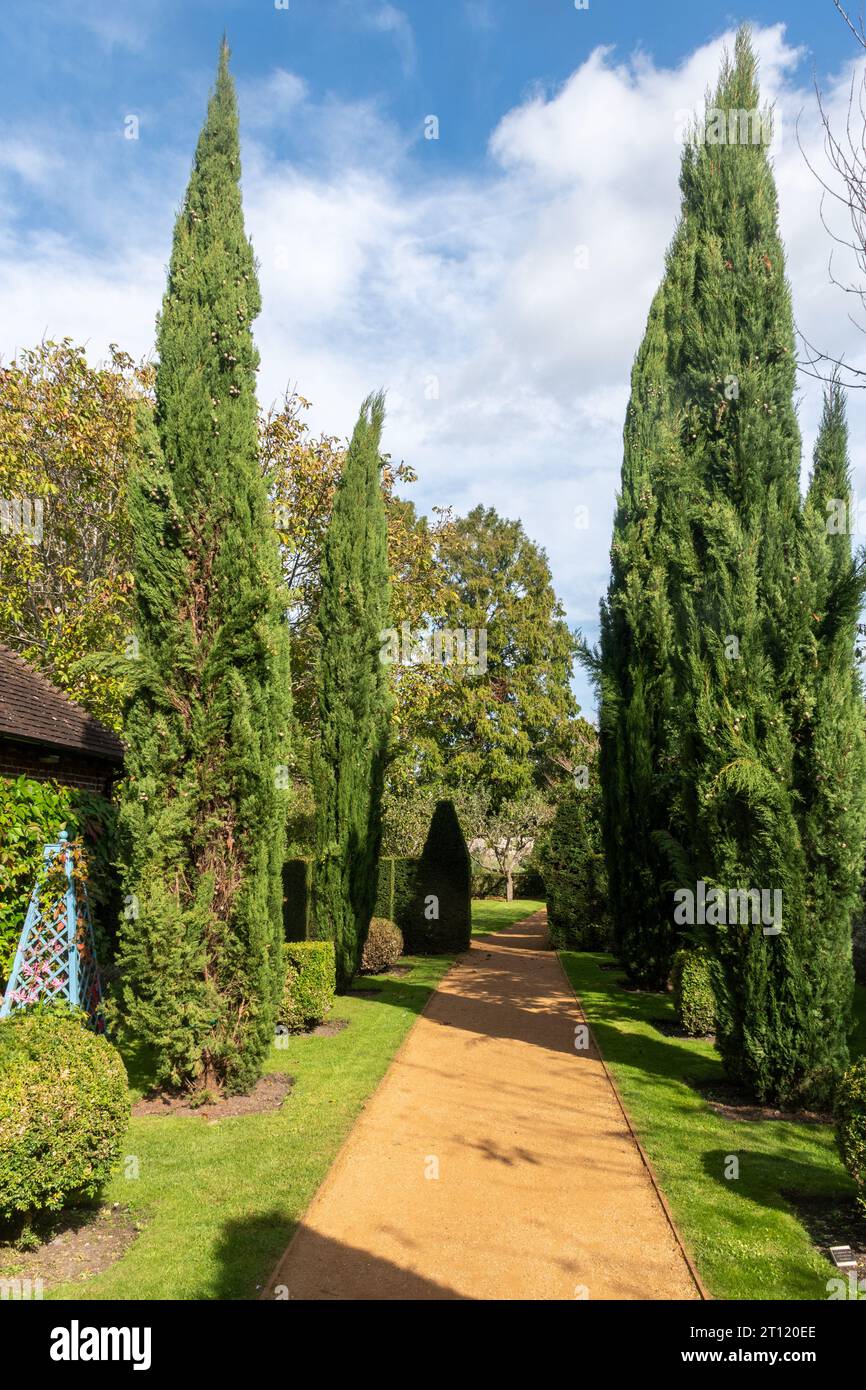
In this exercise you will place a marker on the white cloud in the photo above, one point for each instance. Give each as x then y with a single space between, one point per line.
270 100
507 362
387 19
35 163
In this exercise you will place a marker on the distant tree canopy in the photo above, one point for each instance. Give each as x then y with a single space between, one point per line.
505 719
67 444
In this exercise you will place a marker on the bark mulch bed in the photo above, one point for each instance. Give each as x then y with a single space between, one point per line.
732 1103
76 1245
267 1094
836 1219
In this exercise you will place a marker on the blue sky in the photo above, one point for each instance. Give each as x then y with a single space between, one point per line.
495 279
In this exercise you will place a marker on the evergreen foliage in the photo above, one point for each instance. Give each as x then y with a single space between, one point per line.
440 919
751 642
831 747
354 699
692 981
575 877
64 1111
383 946
507 728
297 899
310 982
635 672
850 1116
202 822
731 712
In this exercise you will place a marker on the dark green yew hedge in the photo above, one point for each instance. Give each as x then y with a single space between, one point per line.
438 919
429 898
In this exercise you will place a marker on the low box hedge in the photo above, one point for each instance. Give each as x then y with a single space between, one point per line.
694 1000
311 983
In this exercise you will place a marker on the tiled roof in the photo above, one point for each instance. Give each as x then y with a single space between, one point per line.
33 709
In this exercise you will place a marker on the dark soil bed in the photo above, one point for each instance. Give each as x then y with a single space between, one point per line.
672 1029
77 1244
836 1219
330 1028
729 1101
267 1094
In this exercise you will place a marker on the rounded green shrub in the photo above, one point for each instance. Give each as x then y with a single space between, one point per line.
851 1124
311 982
693 991
64 1111
384 945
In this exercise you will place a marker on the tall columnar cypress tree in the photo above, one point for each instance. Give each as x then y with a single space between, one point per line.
353 698
206 725
831 747
745 630
634 672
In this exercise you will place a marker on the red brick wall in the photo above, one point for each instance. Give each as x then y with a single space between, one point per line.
71 769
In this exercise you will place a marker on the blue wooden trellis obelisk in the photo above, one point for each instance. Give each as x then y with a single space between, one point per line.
56 956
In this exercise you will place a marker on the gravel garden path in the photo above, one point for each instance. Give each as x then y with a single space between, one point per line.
494 1161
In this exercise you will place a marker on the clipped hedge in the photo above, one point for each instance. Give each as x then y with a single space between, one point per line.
64 1111
311 983
694 1000
297 899
438 917
383 946
851 1125
384 905
395 894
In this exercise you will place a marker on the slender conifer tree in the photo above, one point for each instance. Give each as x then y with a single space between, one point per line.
731 710
354 698
206 727
747 634
634 672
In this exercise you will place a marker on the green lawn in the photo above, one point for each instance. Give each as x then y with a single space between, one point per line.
743 1235
220 1200
490 914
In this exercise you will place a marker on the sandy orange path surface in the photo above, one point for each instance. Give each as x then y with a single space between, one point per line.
541 1191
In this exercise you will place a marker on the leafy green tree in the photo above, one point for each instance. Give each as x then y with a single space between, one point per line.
67 444
510 832
202 820
354 698
503 719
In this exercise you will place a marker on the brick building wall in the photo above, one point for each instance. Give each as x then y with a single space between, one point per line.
70 769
